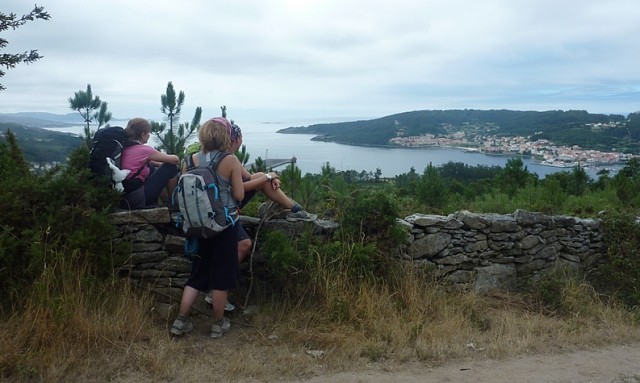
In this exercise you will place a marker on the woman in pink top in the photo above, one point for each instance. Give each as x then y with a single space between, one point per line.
152 171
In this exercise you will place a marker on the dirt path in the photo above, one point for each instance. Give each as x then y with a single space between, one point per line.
619 364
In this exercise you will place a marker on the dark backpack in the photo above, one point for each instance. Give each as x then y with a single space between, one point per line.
203 213
108 143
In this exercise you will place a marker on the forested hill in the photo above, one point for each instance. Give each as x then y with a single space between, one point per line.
573 127
40 145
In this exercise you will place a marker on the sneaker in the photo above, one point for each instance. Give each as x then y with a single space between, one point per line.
228 307
218 330
301 216
181 326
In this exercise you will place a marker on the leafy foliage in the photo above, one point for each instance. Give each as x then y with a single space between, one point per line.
173 138
41 145
85 103
620 276
45 215
12 21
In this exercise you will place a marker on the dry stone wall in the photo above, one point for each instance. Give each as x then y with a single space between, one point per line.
492 251
481 251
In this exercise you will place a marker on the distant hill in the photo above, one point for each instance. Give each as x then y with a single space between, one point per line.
574 127
44 119
41 145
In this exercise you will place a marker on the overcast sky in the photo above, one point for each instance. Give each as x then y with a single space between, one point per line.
283 59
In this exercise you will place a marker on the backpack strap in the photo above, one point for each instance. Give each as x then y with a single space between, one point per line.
215 161
189 161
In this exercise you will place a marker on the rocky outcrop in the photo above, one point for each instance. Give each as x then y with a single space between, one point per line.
481 251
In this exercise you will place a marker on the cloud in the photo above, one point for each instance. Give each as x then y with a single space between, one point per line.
330 58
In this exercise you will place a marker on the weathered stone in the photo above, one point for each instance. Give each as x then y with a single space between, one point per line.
460 277
547 252
151 273
151 216
145 233
451 260
493 277
564 221
530 241
177 264
500 245
471 220
149 256
140 247
424 220
430 245
528 218
404 224
502 224
174 244
476 246
570 257
529 267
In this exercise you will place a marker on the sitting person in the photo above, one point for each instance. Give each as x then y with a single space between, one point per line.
152 171
216 267
267 183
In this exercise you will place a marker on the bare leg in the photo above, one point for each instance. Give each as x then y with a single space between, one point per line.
275 195
189 295
244 248
219 299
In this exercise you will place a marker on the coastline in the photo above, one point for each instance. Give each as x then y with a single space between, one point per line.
554 164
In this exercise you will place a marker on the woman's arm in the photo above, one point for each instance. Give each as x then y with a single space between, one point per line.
237 187
259 179
159 156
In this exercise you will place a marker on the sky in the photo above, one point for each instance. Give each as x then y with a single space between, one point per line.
327 59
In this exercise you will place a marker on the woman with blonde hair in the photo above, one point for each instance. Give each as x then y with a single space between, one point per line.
216 267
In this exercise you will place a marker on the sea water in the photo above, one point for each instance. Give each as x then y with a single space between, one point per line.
262 140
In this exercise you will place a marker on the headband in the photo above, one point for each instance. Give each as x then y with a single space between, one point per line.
232 129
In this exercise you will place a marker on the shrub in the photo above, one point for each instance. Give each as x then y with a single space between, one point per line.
372 216
620 275
44 213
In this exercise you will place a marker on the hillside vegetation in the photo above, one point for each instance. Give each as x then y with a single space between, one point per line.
66 315
41 145
575 127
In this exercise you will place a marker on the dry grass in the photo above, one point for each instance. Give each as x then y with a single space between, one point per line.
72 329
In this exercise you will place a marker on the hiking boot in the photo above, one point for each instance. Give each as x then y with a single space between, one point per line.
181 326
228 307
217 330
301 216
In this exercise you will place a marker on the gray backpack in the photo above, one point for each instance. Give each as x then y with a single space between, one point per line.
203 212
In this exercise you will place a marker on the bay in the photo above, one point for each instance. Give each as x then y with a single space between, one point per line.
262 140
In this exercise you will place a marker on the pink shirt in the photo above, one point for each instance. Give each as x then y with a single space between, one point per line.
136 157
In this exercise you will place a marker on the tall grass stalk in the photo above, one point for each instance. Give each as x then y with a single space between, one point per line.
70 323
76 328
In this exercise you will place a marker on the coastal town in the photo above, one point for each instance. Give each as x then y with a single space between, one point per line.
543 151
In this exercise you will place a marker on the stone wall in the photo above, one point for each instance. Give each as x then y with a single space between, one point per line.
490 251
482 251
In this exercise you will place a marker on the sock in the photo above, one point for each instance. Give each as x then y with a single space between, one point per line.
296 208
183 318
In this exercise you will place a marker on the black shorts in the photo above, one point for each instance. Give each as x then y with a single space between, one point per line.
247 197
216 266
242 233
